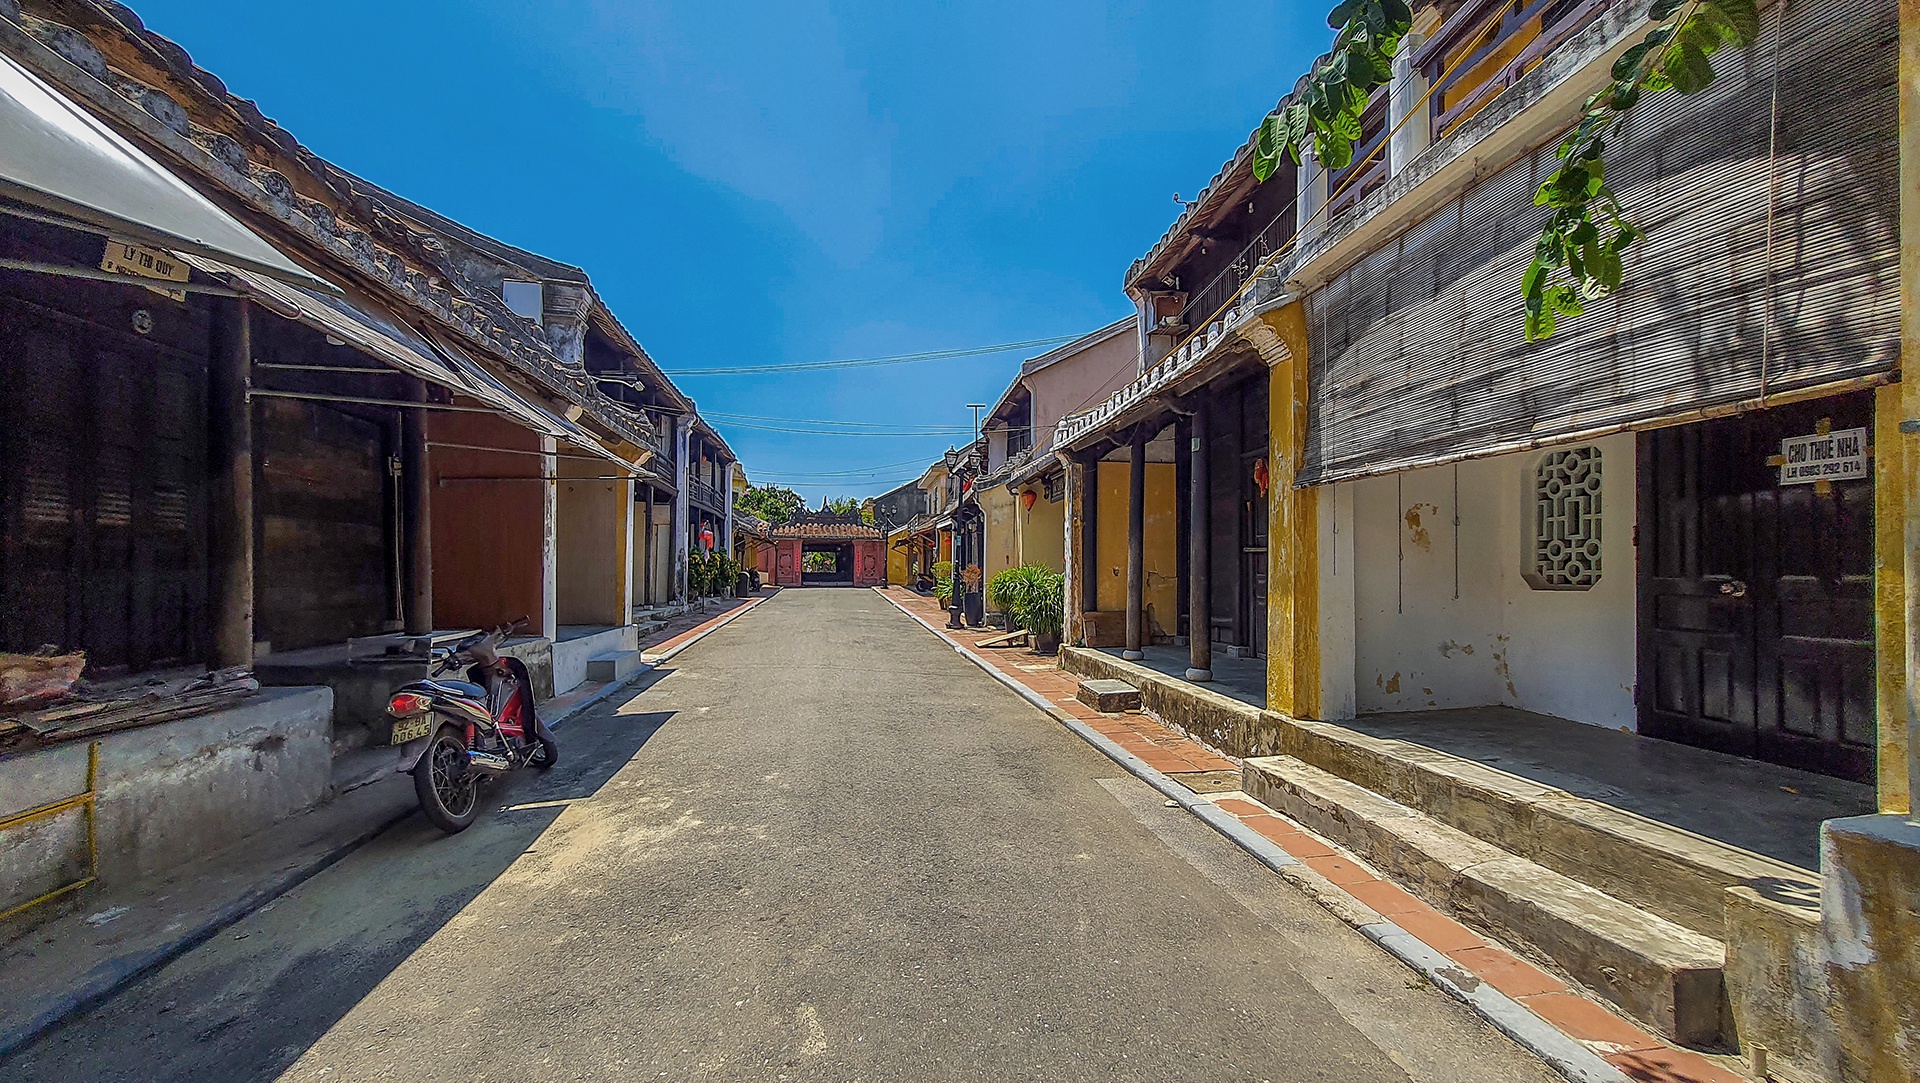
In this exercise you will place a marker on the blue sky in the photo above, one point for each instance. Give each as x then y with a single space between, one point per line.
788 182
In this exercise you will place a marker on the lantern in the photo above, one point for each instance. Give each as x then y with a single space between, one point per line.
1260 478
706 538
1027 498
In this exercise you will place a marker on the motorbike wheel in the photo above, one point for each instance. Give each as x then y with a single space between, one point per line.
449 792
545 755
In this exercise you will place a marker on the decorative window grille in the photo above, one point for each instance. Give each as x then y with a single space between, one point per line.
1565 549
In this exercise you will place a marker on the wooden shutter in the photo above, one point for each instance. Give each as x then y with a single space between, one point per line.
1417 354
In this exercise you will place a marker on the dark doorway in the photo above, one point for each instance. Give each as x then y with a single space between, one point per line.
827 565
103 499
1756 598
1237 514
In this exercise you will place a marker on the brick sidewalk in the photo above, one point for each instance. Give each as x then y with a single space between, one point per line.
1623 1044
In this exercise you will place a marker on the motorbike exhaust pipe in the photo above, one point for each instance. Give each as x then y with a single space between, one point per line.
487 763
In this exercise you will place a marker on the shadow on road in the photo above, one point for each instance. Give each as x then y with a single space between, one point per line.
245 1006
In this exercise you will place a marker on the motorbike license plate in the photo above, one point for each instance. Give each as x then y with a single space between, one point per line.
410 729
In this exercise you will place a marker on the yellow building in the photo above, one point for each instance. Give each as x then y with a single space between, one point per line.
1633 597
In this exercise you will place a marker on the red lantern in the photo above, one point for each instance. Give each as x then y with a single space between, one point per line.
706 537
1260 475
1027 498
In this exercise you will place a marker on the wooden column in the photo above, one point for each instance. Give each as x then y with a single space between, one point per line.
415 527
1137 548
1199 552
230 416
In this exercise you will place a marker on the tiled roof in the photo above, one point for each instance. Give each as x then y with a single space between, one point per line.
834 529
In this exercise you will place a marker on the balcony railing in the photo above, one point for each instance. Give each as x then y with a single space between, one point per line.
1206 302
1471 58
706 495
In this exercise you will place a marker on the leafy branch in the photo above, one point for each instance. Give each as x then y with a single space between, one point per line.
1574 263
1370 33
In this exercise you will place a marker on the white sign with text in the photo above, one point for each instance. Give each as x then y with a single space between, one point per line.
1833 456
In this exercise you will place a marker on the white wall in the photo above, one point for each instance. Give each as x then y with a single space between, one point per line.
1415 645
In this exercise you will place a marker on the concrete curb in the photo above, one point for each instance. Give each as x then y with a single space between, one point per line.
1539 1037
109 978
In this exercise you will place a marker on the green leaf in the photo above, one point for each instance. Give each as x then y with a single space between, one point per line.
1268 144
1539 323
1586 233
1335 151
1663 10
1742 15
1628 65
1535 278
1607 268
1343 13
1626 235
1686 67
1565 300
1296 122
1372 68
1399 15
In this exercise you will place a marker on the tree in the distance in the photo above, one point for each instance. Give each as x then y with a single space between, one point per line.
774 503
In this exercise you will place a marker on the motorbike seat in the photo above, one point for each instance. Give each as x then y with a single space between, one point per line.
463 689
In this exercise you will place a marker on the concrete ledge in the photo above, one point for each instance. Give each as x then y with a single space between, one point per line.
1666 976
1222 722
1777 982
171 792
1665 870
572 656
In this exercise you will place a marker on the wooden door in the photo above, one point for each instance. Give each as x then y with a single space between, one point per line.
103 500
1756 599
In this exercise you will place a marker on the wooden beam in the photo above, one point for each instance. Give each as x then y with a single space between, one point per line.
230 463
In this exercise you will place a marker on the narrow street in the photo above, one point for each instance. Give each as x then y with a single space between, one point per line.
820 846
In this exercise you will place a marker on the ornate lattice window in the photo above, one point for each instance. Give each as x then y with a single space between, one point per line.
1565 539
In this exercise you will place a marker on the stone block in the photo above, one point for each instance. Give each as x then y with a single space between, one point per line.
1109 696
613 667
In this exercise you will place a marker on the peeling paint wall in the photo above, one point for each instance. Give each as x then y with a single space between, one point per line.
1440 621
1162 536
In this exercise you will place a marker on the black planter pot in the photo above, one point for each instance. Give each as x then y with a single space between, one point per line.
976 608
1046 644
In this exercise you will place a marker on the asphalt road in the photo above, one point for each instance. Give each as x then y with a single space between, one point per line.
821 846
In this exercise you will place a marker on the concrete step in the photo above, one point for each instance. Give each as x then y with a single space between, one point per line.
612 667
1665 870
1109 696
1665 975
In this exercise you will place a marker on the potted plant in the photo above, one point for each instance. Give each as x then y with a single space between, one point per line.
1043 610
943 582
976 606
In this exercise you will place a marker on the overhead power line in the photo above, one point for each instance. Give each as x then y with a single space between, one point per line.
870 362
930 430
916 464
921 433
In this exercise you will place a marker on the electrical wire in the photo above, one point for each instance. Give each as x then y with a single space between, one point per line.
916 463
869 362
920 433
930 429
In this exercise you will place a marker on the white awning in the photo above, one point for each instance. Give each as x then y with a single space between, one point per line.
57 156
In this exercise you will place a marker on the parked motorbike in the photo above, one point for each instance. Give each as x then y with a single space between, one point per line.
456 734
